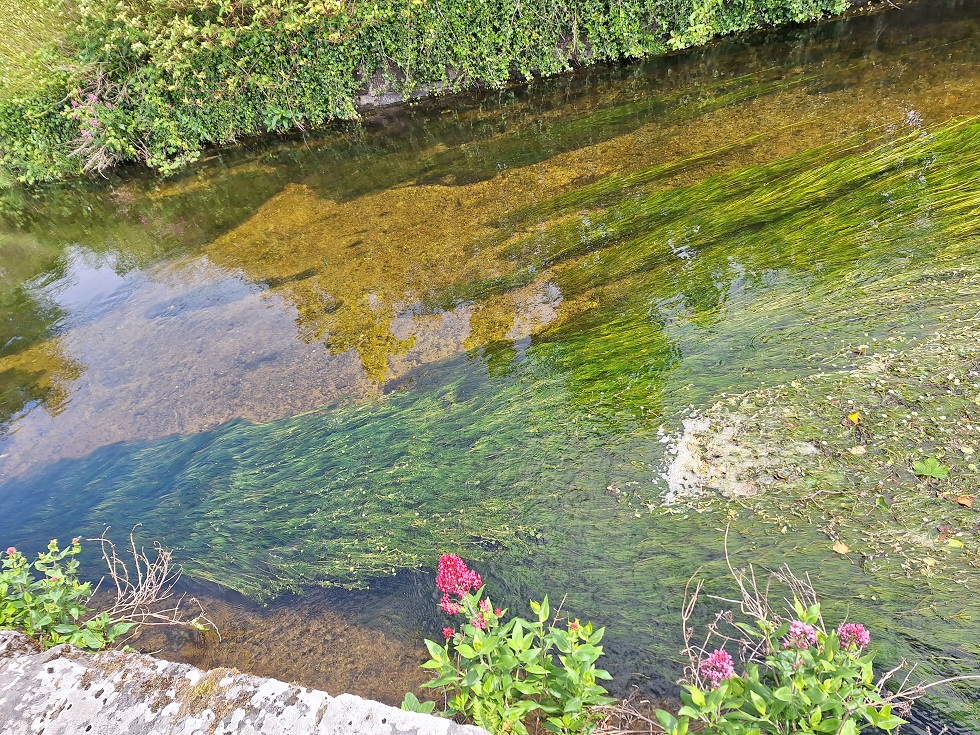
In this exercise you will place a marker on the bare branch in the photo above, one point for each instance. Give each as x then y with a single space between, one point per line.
150 599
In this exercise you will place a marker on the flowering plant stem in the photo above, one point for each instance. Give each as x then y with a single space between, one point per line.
502 674
797 676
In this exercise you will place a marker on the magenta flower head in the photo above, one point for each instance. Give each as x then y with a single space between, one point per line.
853 635
455 578
448 632
800 635
11 551
717 667
449 606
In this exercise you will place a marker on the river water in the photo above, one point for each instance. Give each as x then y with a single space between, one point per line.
475 325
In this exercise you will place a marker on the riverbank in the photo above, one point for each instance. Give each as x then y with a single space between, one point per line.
87 87
65 690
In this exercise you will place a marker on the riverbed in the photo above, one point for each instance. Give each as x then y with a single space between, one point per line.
478 324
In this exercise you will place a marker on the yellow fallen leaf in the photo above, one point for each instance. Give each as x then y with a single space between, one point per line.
929 562
955 543
840 547
965 500
854 417
858 450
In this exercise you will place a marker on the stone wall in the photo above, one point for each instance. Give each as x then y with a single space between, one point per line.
71 692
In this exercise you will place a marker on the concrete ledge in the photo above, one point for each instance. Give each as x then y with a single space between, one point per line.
65 691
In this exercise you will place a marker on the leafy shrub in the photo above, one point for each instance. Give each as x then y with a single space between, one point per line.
158 80
797 676
501 673
815 683
52 606
46 600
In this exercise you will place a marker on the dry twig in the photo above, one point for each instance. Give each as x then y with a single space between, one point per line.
144 588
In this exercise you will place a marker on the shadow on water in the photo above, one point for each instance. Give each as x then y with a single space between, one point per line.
523 294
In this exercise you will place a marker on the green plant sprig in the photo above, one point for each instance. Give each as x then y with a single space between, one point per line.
810 681
507 674
51 606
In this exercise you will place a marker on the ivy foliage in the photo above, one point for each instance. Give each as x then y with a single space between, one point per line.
157 81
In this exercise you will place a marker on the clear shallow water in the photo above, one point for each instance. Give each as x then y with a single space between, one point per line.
466 326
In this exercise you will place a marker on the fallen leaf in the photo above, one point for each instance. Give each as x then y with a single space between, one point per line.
840 547
965 500
930 467
929 562
858 450
955 543
854 417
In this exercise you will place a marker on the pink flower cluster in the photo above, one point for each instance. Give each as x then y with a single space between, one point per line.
717 667
11 551
483 618
853 635
800 635
455 579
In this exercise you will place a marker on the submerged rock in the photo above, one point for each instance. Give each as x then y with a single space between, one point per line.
714 454
65 690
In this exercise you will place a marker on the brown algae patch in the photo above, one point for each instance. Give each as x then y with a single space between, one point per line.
313 642
368 260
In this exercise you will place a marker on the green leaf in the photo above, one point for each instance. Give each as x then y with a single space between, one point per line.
119 629
890 722
89 639
526 688
437 652
561 640
471 678
667 721
545 612
445 679
411 703
697 696
784 694
930 467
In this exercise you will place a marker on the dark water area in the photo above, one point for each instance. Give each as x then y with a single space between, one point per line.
477 325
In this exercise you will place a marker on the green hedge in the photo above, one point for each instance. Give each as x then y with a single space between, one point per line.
157 81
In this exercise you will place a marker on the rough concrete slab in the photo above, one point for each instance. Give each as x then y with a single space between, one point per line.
65 691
